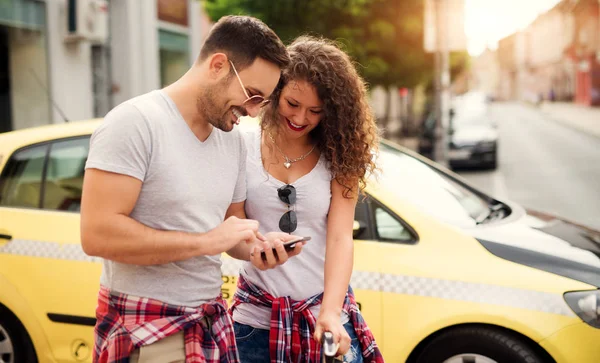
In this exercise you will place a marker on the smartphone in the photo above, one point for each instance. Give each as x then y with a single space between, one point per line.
289 245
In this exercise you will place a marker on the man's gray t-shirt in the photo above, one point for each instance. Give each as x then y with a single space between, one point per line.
188 185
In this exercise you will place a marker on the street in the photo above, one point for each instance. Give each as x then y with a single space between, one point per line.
543 165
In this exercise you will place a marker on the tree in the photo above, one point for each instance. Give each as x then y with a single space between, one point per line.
384 37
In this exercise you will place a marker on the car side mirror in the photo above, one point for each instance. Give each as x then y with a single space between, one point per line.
358 228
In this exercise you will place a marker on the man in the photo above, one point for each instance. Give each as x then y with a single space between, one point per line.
163 197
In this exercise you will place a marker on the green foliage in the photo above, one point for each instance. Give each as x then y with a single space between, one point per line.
459 62
384 37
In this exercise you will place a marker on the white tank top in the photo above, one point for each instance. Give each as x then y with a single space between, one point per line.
301 276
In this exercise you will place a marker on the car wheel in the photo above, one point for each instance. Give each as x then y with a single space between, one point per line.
477 345
15 345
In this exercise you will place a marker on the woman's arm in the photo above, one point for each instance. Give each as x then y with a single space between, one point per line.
339 260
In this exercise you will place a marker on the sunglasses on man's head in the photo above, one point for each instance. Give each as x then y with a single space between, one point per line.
251 102
288 221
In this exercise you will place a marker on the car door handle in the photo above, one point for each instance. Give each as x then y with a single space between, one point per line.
4 237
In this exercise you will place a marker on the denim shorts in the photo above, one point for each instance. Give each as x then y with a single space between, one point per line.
253 344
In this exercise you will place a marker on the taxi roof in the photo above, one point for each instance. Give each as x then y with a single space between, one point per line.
10 141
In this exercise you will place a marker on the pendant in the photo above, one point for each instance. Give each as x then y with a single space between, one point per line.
287 164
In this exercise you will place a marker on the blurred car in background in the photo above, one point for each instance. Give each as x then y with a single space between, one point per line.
472 135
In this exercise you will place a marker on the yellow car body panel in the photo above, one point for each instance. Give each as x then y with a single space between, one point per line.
575 343
52 284
26 137
19 306
61 280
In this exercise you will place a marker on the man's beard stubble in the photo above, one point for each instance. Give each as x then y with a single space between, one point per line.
212 109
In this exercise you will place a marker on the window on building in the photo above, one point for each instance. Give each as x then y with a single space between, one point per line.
173 39
173 64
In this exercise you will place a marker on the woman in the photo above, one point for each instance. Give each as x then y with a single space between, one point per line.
305 169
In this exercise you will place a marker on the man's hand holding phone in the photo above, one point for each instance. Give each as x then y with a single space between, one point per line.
276 250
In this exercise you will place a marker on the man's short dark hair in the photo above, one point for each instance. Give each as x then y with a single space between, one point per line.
243 39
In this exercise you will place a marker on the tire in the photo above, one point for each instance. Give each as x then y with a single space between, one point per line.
15 345
478 344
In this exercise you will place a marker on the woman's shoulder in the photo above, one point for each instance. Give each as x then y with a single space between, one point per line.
326 167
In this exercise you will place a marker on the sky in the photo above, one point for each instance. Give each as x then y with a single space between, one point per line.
487 21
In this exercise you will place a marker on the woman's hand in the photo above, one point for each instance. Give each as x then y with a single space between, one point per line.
273 240
332 322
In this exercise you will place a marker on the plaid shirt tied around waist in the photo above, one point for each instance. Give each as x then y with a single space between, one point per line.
125 323
293 325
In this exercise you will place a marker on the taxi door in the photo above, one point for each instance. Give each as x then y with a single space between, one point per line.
366 272
41 255
383 243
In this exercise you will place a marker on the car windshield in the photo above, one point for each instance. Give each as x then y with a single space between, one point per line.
470 109
429 189
469 117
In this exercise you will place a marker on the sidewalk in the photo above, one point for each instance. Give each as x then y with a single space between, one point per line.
585 119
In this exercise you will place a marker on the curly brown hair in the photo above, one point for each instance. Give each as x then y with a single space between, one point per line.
347 134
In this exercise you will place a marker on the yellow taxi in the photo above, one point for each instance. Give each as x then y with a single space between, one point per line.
443 272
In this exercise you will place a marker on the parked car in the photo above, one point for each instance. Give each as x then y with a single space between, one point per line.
473 140
472 134
443 272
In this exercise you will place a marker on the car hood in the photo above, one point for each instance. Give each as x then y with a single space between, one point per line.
470 134
547 243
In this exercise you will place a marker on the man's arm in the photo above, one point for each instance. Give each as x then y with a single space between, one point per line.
241 251
108 231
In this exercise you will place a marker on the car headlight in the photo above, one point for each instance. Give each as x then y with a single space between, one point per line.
586 304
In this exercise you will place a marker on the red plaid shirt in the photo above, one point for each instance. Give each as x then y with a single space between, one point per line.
125 323
293 325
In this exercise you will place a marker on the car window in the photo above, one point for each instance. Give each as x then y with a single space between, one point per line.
389 228
429 189
362 216
64 176
21 179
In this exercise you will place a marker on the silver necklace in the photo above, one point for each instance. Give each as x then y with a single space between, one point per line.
288 162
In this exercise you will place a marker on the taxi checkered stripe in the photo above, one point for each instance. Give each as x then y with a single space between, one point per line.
362 280
460 290
53 250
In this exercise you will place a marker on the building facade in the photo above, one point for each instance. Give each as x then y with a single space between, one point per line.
556 58
584 51
485 73
24 63
551 73
76 59
507 60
